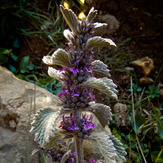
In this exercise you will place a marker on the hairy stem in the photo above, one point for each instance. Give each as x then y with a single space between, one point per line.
78 141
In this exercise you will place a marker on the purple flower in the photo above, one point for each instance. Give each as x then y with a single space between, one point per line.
75 70
87 123
63 69
68 122
92 160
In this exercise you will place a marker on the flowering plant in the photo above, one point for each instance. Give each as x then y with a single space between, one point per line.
77 108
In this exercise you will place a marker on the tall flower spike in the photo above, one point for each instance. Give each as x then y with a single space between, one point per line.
80 117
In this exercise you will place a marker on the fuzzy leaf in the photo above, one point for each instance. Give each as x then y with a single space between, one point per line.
43 125
68 35
59 57
70 18
91 15
105 146
65 156
99 41
99 68
101 111
55 73
52 141
99 27
121 153
104 85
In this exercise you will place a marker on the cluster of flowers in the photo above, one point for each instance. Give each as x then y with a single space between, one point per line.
57 153
84 129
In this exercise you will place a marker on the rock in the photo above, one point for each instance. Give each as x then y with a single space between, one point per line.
113 23
19 101
146 81
161 93
144 65
120 118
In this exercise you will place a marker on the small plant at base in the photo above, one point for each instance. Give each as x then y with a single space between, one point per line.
76 102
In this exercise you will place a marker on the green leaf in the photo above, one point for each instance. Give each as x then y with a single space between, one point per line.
24 64
5 51
99 68
91 15
70 18
16 43
14 57
43 126
139 120
47 80
31 66
101 111
3 59
97 41
59 57
104 85
12 68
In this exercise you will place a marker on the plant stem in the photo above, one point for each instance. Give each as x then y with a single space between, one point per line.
78 141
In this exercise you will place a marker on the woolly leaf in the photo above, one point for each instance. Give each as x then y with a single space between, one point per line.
65 156
59 57
99 68
105 146
56 74
70 18
104 85
68 35
101 111
99 27
121 153
99 41
91 15
52 141
43 125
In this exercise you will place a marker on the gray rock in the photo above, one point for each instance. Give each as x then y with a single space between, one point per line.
122 117
18 103
113 23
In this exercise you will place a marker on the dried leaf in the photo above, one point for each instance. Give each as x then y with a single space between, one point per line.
146 80
91 15
59 57
43 125
145 65
70 18
99 68
101 111
104 85
99 41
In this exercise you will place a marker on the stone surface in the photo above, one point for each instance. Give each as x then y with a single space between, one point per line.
112 22
18 103
120 118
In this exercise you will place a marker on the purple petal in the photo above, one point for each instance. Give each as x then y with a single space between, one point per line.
74 70
72 127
